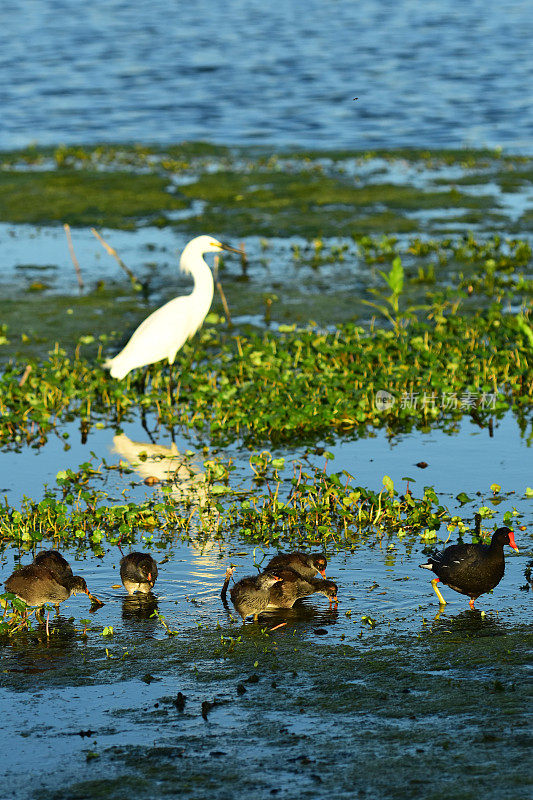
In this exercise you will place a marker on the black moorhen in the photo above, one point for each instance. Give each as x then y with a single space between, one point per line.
138 572
292 587
471 569
250 596
305 564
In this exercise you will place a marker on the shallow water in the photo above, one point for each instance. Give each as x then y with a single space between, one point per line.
469 460
384 680
314 695
197 571
374 581
43 303
443 74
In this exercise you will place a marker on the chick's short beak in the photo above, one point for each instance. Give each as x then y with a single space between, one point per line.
93 599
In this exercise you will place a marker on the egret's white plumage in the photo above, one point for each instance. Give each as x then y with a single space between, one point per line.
167 329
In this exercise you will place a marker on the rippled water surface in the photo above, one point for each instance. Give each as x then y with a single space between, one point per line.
440 73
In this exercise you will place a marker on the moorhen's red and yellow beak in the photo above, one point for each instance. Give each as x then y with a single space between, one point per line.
512 542
323 572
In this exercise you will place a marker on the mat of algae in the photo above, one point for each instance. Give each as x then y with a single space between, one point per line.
382 697
317 227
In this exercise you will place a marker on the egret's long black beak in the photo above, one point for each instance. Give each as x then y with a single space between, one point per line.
232 249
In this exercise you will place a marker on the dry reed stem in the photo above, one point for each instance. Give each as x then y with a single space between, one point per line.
66 226
113 252
221 293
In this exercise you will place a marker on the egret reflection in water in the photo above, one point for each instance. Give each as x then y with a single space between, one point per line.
165 464
200 576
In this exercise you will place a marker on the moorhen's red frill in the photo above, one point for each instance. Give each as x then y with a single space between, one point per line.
293 587
250 596
138 572
304 564
471 569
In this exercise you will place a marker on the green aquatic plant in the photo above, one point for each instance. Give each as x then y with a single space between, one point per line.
389 306
290 386
292 503
315 254
16 616
525 328
162 620
115 200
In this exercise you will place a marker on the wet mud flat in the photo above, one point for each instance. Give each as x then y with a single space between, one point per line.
292 716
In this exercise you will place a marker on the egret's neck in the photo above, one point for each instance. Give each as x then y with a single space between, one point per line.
203 281
194 264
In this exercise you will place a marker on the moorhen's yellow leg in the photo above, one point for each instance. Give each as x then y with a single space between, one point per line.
256 617
434 582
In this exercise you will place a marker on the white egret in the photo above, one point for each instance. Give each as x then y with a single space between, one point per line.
167 329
